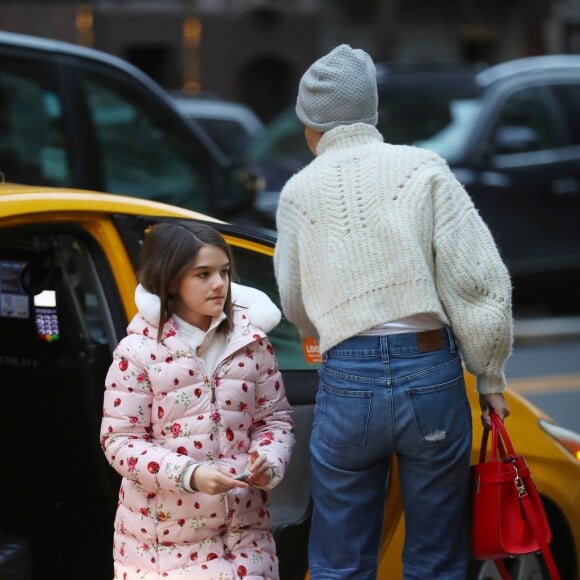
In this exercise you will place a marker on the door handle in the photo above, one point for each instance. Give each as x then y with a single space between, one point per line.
566 186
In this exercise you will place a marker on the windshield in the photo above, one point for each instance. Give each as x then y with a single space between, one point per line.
282 140
435 111
450 139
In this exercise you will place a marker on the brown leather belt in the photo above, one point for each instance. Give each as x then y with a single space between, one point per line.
431 340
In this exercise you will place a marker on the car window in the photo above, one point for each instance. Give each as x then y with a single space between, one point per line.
423 103
526 116
254 267
406 116
256 270
32 129
283 139
50 279
436 111
139 153
451 137
231 136
569 101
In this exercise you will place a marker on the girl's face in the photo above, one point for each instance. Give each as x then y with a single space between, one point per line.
204 287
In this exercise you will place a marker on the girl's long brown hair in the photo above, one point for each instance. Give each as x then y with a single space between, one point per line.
168 252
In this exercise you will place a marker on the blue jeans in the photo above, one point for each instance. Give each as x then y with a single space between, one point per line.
380 395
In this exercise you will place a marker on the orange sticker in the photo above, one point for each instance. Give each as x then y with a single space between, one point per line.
311 350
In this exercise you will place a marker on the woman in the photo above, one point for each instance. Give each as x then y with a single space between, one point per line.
382 257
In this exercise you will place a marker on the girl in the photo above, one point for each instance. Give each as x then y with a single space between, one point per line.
196 418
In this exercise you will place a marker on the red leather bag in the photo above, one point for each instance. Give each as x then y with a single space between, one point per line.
508 517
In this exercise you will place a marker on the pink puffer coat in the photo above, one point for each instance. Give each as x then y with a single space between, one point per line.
161 412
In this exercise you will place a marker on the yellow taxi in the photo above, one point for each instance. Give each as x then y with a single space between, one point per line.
67 277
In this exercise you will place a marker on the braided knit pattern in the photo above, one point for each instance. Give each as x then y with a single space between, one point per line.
370 233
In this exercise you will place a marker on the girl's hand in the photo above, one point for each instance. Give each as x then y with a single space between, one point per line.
211 480
260 468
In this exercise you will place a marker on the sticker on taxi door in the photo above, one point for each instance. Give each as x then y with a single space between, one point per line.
311 350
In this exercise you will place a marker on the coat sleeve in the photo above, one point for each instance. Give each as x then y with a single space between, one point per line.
126 424
473 283
287 267
272 432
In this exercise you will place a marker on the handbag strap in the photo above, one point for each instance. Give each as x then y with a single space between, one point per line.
497 427
499 434
503 571
536 526
483 448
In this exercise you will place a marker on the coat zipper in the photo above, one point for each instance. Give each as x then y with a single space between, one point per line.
214 376
217 444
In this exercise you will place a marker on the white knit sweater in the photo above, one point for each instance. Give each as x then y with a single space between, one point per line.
370 233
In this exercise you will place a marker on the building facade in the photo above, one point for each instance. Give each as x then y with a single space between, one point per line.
254 51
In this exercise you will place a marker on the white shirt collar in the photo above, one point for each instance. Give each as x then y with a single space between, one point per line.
195 335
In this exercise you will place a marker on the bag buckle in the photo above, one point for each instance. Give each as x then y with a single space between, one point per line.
518 482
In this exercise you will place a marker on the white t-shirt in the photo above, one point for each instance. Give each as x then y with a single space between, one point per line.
416 323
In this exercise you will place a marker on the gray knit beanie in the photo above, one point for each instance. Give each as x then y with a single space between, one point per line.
338 89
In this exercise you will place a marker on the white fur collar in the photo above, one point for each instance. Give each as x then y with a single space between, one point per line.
261 310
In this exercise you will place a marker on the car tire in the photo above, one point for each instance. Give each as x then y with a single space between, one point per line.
528 567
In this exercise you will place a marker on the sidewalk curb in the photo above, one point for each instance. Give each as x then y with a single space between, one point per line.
547 328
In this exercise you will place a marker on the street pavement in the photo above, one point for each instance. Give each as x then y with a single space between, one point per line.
545 366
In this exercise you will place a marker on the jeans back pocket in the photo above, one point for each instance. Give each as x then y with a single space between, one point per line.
342 416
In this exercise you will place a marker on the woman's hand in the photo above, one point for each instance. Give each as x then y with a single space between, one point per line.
260 468
495 402
211 480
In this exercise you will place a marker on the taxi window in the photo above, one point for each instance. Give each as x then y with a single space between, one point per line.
253 268
32 129
49 282
141 151
256 270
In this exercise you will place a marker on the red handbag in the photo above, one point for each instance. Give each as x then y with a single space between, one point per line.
508 517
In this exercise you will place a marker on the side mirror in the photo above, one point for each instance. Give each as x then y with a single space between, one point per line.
515 139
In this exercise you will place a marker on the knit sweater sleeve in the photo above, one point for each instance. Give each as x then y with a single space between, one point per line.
287 266
473 283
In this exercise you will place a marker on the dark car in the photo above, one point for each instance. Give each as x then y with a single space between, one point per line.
516 148
76 117
511 134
